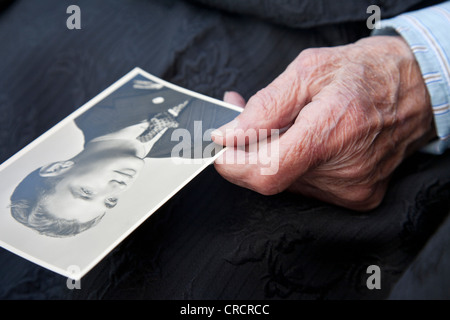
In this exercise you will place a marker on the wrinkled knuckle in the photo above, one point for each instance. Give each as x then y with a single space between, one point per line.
265 102
357 173
363 171
266 190
366 198
267 185
308 56
370 204
314 57
377 121
360 195
352 173
375 201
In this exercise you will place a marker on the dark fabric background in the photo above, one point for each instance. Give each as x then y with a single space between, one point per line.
313 13
213 240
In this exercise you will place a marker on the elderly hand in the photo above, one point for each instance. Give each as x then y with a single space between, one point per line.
353 114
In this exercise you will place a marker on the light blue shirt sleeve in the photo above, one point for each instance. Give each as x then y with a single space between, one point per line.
427 31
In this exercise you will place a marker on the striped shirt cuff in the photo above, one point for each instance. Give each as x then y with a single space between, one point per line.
426 32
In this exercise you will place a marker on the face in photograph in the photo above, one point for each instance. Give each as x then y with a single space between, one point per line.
67 197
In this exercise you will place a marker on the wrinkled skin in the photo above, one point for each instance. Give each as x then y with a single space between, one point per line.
354 113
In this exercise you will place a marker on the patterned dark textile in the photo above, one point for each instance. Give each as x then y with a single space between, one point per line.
213 240
310 13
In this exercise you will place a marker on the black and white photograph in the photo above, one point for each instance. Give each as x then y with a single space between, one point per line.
83 186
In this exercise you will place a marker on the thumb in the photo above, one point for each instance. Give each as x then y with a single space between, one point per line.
274 107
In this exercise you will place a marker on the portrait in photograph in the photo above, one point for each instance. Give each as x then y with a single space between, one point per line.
132 133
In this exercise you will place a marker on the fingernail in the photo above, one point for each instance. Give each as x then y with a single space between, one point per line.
225 95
